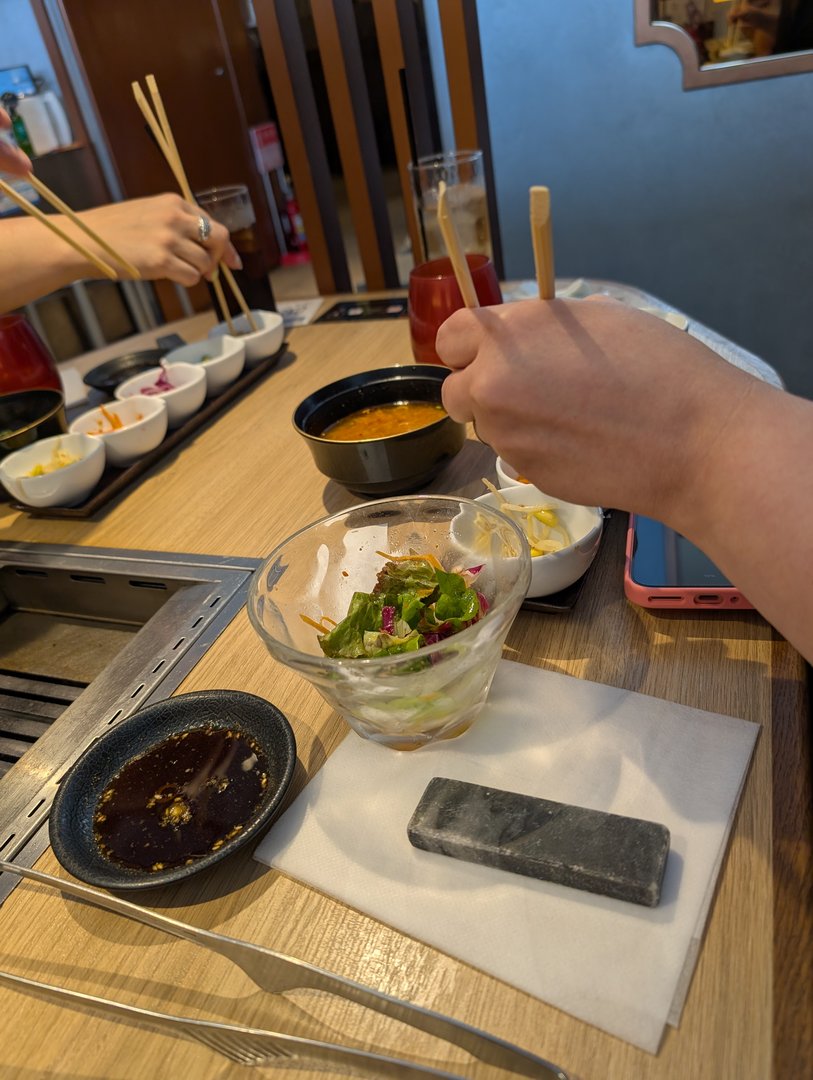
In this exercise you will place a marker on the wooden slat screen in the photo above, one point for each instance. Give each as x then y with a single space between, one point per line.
286 61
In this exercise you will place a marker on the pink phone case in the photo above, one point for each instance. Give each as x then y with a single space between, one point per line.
719 598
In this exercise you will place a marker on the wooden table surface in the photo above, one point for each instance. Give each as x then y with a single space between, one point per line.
237 488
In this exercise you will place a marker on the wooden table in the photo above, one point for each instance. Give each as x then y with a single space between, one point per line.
239 487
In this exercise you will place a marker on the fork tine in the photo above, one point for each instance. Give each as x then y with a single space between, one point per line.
247 1046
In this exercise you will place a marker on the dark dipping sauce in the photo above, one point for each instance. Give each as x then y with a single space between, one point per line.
181 800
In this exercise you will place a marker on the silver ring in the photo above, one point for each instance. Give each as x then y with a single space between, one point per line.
204 229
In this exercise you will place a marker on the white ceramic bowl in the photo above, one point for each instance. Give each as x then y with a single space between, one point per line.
223 359
144 421
65 486
259 343
508 475
186 397
558 569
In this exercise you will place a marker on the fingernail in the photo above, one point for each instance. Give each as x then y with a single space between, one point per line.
239 265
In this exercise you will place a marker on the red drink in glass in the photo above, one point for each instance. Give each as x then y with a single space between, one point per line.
434 294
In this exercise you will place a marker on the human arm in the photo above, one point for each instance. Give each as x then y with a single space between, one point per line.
159 235
601 404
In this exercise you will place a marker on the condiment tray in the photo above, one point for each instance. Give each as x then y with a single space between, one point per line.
115 480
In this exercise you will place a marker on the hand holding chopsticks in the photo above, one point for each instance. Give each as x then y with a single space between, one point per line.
158 123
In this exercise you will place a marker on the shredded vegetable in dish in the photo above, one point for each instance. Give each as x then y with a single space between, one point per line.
414 602
58 460
540 523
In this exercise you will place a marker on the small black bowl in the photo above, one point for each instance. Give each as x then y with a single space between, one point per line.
71 827
396 464
29 415
107 376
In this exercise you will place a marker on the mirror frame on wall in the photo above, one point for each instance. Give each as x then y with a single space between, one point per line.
649 31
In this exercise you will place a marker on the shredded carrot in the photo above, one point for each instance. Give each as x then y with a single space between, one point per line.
431 559
113 420
313 623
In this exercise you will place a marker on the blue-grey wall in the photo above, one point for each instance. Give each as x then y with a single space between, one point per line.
21 41
703 198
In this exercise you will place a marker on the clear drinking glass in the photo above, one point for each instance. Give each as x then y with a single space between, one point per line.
463 173
231 206
408 700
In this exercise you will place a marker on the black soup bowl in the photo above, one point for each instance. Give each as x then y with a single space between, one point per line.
394 464
29 415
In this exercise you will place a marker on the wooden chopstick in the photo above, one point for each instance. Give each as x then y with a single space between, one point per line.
542 238
174 162
162 130
35 212
460 264
58 204
178 169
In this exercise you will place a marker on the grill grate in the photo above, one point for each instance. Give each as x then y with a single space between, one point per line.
29 704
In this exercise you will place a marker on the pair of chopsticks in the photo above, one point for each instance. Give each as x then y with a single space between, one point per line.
49 222
541 236
158 123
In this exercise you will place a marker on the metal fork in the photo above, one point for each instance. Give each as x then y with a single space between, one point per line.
275 972
246 1046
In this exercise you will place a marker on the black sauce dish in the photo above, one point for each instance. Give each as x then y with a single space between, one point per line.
107 376
29 415
74 824
395 464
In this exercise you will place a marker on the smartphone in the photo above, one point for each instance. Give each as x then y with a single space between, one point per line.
663 569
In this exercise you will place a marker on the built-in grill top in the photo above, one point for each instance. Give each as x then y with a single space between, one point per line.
87 637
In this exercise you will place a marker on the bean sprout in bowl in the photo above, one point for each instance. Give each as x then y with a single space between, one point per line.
408 699
574 532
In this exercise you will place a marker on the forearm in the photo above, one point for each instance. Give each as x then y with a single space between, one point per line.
752 509
35 262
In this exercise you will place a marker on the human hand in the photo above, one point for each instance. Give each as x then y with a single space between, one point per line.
593 401
13 162
161 236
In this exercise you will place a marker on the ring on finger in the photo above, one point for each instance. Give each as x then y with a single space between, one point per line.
204 229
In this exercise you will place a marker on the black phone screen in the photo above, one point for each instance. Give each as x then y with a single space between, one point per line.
662 558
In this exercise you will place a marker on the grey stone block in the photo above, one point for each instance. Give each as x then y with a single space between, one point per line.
585 849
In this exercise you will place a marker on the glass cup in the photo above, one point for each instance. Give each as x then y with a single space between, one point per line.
462 171
410 699
231 206
434 294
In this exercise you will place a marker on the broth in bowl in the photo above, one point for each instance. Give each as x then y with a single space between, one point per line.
381 421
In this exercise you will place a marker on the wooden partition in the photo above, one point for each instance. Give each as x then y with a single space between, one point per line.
412 116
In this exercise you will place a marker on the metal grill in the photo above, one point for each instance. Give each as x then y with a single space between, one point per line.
29 704
88 637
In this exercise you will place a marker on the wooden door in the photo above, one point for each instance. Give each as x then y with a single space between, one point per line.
198 52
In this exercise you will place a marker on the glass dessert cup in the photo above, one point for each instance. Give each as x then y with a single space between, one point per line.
407 700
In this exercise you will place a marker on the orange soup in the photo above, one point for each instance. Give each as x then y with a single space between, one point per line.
379 421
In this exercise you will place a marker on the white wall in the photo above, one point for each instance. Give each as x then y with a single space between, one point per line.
703 198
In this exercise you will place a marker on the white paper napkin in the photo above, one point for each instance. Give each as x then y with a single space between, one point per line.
619 966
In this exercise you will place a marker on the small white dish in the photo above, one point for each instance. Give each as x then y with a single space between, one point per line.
144 424
223 359
508 475
185 398
65 486
555 571
259 343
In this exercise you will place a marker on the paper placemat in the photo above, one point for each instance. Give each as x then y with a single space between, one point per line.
622 967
